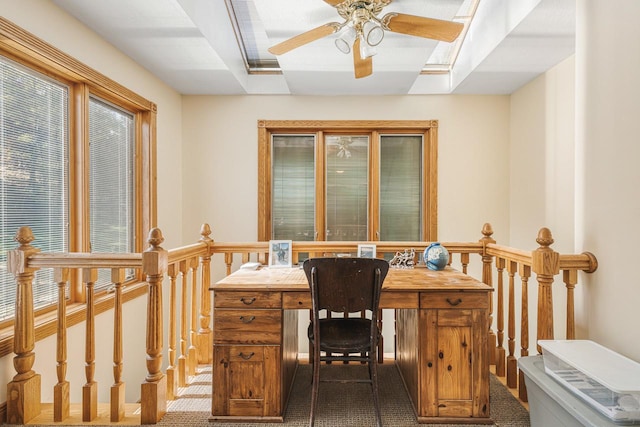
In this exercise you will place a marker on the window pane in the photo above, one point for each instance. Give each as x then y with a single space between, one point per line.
347 187
400 187
33 173
111 152
293 192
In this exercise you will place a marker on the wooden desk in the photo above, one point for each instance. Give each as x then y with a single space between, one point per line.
441 342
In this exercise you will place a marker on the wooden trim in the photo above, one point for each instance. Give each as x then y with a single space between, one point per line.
340 125
321 188
430 212
374 190
264 182
147 166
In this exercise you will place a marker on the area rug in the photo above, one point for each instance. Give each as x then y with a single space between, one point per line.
341 405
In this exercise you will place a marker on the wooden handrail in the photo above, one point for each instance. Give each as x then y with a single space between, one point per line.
188 272
84 260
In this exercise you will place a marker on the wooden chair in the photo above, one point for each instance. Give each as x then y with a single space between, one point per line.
344 285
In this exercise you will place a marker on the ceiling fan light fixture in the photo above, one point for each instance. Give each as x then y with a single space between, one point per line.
374 33
366 50
346 39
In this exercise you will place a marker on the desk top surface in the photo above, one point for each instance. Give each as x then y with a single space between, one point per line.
294 279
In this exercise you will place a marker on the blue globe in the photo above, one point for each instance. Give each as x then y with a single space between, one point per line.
436 256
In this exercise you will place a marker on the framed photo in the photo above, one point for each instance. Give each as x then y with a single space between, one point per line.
366 251
279 253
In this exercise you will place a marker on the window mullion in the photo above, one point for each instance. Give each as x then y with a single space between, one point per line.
374 187
79 240
320 208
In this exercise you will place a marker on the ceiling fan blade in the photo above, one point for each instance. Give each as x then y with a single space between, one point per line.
304 38
362 67
421 26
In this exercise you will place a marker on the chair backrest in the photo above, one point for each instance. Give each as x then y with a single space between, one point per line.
346 285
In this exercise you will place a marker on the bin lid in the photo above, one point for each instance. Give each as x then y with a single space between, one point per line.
614 371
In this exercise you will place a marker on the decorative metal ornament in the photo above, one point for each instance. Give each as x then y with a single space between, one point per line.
403 259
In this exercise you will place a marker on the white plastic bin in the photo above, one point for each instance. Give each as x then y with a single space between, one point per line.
552 404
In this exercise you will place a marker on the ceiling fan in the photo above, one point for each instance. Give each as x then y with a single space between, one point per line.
362 30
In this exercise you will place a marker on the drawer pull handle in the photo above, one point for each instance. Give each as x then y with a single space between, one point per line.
246 356
247 320
454 302
247 301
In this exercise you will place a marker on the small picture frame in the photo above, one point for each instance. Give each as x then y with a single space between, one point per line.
280 253
366 251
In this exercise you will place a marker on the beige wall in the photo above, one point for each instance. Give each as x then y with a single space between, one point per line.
220 155
542 143
48 22
607 156
574 134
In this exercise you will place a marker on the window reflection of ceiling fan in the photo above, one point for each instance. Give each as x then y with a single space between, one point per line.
362 30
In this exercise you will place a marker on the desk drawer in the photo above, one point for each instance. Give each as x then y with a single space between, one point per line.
454 300
248 299
247 326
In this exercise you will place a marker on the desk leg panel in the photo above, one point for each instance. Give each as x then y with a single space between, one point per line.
407 348
481 373
289 353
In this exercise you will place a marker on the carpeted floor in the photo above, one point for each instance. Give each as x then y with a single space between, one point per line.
339 405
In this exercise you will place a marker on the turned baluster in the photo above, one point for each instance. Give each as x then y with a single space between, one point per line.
182 359
153 390
570 278
512 362
90 389
500 353
118 387
464 260
525 273
228 260
23 392
546 264
192 357
61 402
205 335
172 374
487 276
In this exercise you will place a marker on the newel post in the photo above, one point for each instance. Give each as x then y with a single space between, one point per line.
23 392
154 389
487 279
205 336
545 264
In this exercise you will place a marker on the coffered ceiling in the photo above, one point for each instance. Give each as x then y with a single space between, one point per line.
220 46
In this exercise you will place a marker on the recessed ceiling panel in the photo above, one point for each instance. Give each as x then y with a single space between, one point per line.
190 45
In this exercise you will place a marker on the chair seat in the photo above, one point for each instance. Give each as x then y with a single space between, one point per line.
340 335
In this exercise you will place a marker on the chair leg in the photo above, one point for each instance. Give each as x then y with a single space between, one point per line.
315 381
373 375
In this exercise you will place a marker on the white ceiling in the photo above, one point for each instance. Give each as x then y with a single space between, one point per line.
191 45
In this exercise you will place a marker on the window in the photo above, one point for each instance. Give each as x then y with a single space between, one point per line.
34 149
77 162
111 181
347 180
